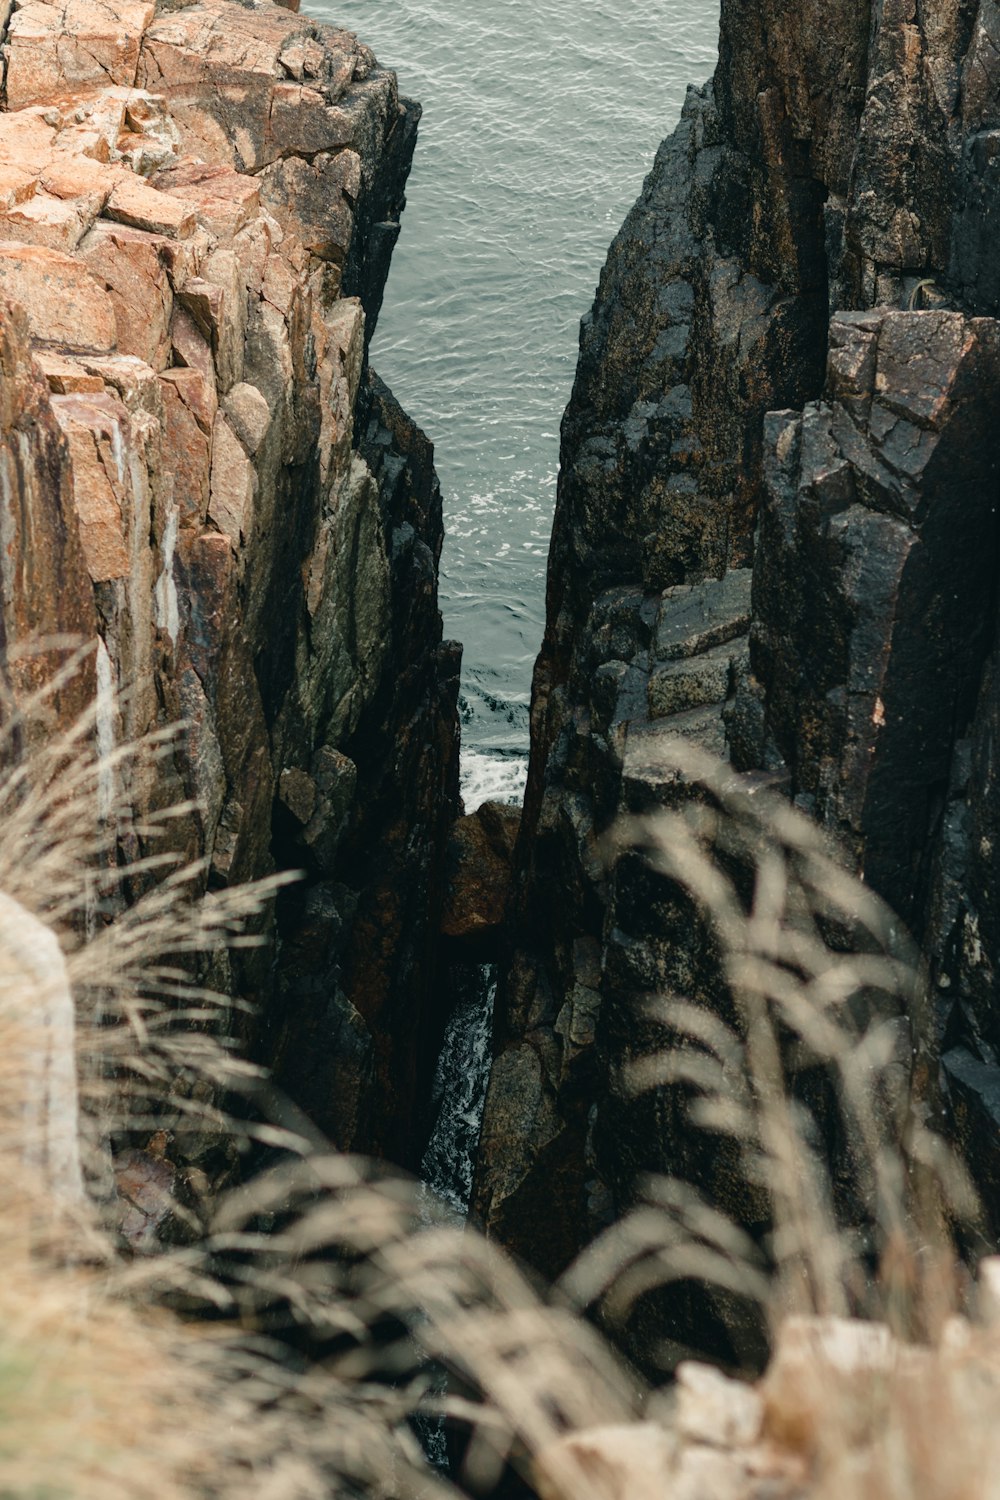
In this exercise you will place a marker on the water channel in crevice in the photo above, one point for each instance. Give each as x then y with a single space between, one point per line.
539 124
458 1096
459 1090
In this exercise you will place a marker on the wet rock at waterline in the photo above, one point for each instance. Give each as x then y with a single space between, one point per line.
197 209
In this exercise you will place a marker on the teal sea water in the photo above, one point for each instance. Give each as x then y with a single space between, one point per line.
540 122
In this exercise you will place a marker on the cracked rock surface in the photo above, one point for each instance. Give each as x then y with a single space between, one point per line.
198 469
776 534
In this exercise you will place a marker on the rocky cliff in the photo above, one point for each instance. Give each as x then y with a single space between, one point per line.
776 535
198 205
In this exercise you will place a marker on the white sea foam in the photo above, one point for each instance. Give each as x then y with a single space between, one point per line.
460 1090
491 778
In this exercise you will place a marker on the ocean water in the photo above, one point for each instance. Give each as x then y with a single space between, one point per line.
459 1090
540 122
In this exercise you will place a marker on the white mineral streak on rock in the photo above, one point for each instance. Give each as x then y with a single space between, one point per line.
180 368
167 608
118 450
105 731
38 1024
7 529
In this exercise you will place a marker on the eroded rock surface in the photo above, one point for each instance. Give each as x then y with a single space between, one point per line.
811 593
197 208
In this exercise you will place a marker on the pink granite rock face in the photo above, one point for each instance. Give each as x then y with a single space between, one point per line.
185 415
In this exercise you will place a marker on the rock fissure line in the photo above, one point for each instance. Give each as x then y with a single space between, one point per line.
197 209
775 535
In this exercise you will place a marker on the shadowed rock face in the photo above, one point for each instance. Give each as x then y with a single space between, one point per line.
874 581
197 208
811 592
480 852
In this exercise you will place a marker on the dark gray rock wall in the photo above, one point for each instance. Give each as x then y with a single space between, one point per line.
354 1032
811 593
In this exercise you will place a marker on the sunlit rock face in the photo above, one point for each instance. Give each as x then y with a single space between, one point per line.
810 593
197 211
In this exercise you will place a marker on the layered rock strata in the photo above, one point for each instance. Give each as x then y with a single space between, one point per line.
813 241
199 472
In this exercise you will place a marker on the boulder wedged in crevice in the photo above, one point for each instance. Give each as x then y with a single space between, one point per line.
480 859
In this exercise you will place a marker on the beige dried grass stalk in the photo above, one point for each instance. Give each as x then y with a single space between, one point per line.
334 1289
104 1393
70 848
823 982
405 1288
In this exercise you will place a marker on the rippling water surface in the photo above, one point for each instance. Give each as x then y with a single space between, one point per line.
540 121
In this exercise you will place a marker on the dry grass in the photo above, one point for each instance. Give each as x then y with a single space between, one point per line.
103 1392
816 1079
333 1291
330 1289
823 1039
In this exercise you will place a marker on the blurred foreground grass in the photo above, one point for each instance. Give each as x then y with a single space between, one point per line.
281 1353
